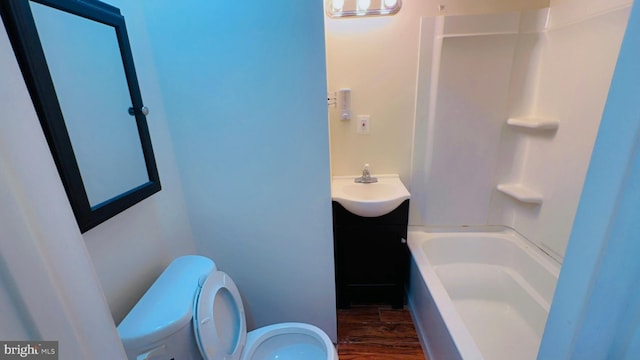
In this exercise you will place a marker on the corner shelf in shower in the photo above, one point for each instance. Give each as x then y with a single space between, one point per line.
521 193
533 123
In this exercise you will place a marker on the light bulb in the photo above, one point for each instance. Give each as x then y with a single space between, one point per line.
363 5
390 4
337 5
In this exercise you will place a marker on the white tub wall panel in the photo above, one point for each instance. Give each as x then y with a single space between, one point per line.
572 11
525 74
577 67
503 208
534 20
469 25
573 94
469 116
429 50
522 102
428 74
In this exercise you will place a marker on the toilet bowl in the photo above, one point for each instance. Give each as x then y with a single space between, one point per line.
288 341
194 311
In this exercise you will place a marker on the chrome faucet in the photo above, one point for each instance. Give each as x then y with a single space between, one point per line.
366 177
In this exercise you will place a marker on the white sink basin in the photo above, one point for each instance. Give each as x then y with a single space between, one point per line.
369 200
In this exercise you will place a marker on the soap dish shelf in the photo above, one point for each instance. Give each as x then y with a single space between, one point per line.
521 193
533 123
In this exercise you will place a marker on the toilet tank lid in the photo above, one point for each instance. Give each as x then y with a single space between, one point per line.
168 304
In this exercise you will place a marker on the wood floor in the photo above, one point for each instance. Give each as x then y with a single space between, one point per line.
377 332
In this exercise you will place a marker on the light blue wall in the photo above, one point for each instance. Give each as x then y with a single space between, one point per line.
129 250
596 309
58 283
244 84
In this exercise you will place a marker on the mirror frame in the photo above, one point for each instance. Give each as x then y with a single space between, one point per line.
21 28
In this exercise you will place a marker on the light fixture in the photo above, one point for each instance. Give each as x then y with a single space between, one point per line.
346 8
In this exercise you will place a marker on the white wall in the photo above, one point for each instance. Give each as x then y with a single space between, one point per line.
377 58
51 290
245 86
137 244
70 286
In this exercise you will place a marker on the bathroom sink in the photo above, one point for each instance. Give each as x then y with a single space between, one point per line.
369 200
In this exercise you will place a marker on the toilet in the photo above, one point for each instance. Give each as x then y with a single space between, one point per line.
193 311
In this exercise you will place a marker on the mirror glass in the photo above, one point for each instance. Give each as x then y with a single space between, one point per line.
88 74
77 63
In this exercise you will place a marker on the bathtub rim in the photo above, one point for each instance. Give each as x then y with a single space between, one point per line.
546 258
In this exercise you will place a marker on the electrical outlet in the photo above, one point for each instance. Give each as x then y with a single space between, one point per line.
363 124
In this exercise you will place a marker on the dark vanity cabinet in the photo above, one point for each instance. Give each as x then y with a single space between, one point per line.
371 256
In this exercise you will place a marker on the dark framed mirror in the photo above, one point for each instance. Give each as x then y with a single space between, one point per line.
77 63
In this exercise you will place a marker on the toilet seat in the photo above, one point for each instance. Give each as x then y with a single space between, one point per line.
219 320
193 311
220 328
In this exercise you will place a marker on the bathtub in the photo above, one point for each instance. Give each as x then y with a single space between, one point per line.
479 293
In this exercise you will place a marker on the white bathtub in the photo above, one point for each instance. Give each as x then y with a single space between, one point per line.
479 294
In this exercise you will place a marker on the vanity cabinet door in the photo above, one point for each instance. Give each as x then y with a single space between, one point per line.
371 256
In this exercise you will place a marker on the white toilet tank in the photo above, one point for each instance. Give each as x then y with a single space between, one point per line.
160 324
